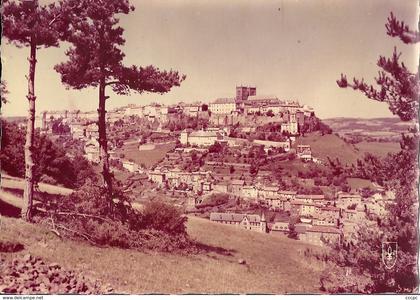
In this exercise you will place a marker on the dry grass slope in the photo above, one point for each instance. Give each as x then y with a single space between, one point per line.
331 146
334 147
380 149
146 157
274 264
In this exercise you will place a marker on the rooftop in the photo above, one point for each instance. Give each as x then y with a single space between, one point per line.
202 133
323 229
216 216
237 182
288 192
224 100
314 197
262 98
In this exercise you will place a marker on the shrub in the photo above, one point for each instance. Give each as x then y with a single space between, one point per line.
86 214
214 200
163 217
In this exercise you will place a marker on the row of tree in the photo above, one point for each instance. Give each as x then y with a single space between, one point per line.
95 59
53 166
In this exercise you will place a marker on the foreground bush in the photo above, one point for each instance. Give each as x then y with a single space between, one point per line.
164 217
85 214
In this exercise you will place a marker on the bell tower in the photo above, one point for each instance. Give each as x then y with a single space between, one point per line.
263 224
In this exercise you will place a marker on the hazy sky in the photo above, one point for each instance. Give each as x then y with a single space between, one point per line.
289 48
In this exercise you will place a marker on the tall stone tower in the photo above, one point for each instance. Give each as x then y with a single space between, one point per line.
293 124
243 92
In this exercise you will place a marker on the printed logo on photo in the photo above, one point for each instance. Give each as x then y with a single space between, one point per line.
389 254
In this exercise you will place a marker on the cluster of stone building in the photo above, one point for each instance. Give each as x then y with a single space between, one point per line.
314 234
246 102
171 179
210 136
290 115
319 221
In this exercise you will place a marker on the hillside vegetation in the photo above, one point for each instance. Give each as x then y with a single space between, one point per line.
331 145
148 158
375 127
378 148
273 264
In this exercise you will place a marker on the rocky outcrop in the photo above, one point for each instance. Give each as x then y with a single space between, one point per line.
31 275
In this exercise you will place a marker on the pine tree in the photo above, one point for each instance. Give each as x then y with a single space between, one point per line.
3 92
26 24
397 86
359 266
96 60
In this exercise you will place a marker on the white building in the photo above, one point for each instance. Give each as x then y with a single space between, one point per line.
130 166
191 110
200 138
134 111
223 106
249 191
304 152
245 221
271 144
92 151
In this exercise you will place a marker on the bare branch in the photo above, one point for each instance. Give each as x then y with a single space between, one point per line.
84 235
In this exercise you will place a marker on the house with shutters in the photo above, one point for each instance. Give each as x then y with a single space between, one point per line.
319 235
266 192
91 149
279 228
346 200
249 191
304 152
236 186
252 222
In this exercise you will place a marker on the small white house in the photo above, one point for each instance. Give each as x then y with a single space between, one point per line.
130 166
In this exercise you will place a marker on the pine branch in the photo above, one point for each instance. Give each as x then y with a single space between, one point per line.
396 28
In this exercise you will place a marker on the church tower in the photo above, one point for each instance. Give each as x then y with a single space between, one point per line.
263 224
293 124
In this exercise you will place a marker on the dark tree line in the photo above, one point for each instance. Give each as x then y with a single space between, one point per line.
53 165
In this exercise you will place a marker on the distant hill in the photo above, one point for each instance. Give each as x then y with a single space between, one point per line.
377 128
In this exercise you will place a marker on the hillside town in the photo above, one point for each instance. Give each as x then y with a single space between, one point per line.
209 147
226 147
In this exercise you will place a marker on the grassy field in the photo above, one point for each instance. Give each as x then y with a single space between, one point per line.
274 264
380 149
11 193
146 157
18 183
357 183
330 145
333 146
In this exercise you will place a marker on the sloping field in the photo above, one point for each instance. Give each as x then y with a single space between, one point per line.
10 182
330 145
274 264
380 149
146 157
358 183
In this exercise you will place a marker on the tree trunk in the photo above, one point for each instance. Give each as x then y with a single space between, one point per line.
103 143
29 164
